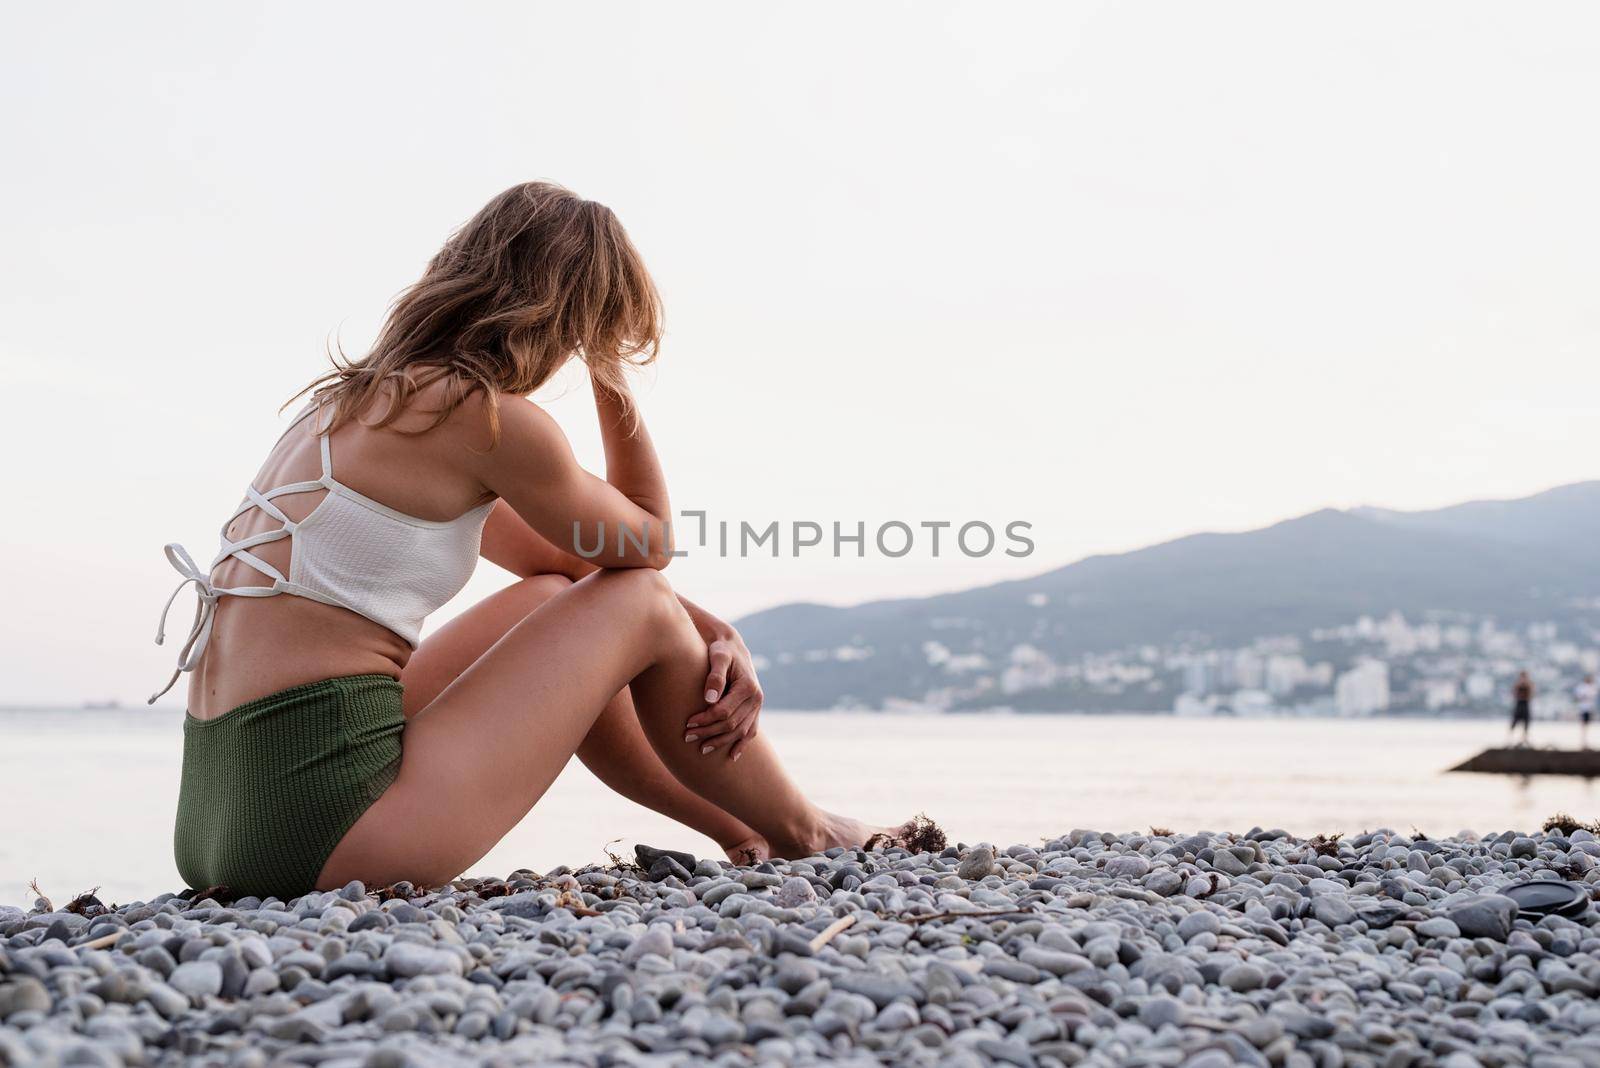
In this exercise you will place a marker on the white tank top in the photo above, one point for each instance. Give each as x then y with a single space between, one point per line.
350 551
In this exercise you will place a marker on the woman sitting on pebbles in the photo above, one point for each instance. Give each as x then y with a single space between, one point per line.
323 742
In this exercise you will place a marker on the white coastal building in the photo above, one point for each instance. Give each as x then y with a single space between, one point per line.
1362 690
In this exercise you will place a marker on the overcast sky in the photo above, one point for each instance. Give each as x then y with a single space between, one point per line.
1125 272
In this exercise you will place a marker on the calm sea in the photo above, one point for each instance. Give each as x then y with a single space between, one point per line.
91 793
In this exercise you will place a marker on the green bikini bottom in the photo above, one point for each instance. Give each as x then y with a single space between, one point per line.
270 787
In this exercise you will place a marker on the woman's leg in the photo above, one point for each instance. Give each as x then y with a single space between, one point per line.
615 749
477 758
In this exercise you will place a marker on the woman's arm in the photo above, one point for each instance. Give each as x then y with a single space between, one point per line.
619 521
512 544
631 462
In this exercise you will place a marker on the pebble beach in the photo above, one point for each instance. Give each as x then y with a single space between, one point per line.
1197 950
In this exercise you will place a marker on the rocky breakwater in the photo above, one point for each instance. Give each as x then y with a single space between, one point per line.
1090 949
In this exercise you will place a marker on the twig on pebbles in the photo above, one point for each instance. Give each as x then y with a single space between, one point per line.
104 941
989 914
574 904
827 934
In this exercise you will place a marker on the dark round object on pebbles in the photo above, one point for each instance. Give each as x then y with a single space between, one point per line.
665 868
647 857
1547 897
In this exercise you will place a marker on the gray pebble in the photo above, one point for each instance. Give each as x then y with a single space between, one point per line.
1484 916
407 959
1127 866
23 994
654 941
794 893
1243 978
1158 1012
977 864
197 978
1438 927
1333 910
1198 922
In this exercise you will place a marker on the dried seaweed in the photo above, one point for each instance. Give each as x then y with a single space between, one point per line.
919 834
86 904
220 893
400 891
1567 824
1325 845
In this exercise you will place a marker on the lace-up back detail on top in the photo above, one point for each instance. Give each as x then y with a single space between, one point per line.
349 550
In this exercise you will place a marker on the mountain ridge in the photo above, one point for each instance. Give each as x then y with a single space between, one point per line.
1521 558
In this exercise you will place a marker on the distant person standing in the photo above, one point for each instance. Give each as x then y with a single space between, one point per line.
1522 704
1585 694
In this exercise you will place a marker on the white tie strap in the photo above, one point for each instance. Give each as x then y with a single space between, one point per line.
205 611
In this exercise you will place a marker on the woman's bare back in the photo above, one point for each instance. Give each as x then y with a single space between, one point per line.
261 645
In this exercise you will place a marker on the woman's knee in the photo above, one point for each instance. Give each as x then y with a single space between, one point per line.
643 589
644 597
535 590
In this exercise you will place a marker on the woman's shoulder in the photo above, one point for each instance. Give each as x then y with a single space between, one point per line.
498 430
520 421
469 413
492 428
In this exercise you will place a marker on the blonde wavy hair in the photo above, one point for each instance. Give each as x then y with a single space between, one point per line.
536 278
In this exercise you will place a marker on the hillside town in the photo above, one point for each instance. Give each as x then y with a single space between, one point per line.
1449 664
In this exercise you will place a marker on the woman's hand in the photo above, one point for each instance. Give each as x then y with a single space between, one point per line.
733 695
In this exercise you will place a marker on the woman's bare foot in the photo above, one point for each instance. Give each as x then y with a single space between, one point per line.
919 834
848 833
751 851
